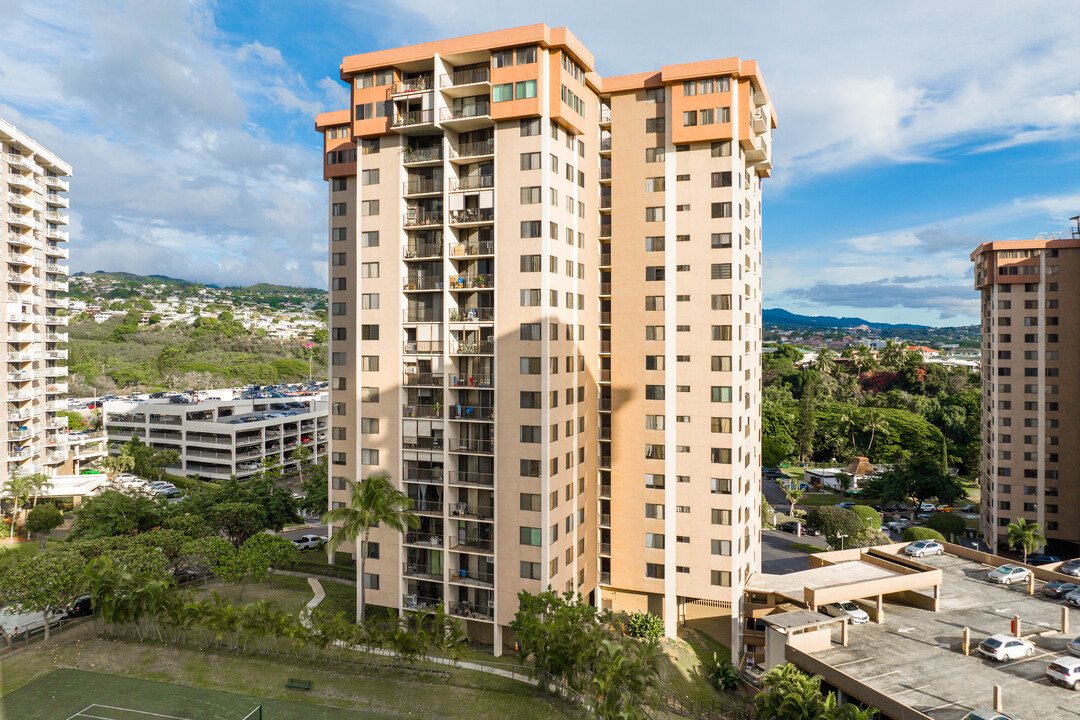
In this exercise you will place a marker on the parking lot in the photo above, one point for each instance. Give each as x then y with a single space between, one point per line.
916 656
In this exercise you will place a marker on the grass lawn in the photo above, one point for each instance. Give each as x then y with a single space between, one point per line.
383 692
290 592
685 674
804 547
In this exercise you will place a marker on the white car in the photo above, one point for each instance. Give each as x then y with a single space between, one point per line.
849 610
309 542
1008 574
927 507
1064 671
1006 647
922 548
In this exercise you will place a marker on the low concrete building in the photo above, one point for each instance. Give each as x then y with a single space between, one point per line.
220 438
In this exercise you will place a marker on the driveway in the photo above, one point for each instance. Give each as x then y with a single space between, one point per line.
777 558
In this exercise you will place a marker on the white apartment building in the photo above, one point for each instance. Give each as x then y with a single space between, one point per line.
33 334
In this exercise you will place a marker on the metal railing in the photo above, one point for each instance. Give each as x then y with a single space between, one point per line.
422 219
428 154
421 283
420 186
480 247
464 576
419 570
427 506
472 182
471 611
410 442
422 250
463 112
467 77
471 412
478 512
416 537
485 314
472 215
422 475
423 315
414 117
472 543
423 83
423 347
472 381
421 411
422 379
471 445
482 347
471 281
475 149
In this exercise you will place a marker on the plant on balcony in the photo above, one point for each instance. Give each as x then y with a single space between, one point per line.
479 281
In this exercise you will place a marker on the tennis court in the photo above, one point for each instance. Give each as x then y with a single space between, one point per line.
80 695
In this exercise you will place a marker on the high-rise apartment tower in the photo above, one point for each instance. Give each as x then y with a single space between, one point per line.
32 220
546 324
1030 387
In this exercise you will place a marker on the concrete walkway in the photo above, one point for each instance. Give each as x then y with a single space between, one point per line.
320 595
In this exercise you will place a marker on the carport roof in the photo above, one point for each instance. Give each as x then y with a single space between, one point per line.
795 619
793 585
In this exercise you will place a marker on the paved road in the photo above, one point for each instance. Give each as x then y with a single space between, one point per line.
777 558
313 529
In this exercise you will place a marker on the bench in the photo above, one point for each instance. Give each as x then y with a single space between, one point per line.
298 684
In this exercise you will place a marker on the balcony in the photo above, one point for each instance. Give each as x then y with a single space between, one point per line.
758 151
761 120
58 217
56 337
421 442
471 282
58 405
605 230
19 377
54 302
605 144
25 201
605 577
57 388
423 347
56 320
56 371
22 318
19 435
470 315
432 507
420 218
470 611
605 490
459 79
471 445
483 347
422 186
472 543
20 239
472 182
420 251
422 315
56 251
472 381
412 284
605 116
423 380
56 199
423 156
57 182
421 571
417 602
471 412
472 249
416 537
56 268
605 548
25 220
23 181
605 520
473 578
413 118
422 411
57 286
472 216
466 116
424 475
20 161
420 84
480 148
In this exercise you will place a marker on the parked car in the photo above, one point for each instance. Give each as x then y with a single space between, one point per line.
922 548
171 492
309 542
1070 567
896 525
791 526
982 714
1042 559
1006 647
80 607
927 507
179 400
968 509
1008 574
846 505
896 507
945 508
849 610
14 622
1073 598
1058 588
1064 671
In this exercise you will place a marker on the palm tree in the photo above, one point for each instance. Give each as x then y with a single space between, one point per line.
39 484
18 487
826 361
850 423
1028 535
892 355
372 502
875 422
301 455
864 357
116 464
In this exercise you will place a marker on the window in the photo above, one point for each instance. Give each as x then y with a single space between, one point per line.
529 433
525 89
369 457
338 259
369 270
721 517
530 161
339 184
369 238
369 332
721 578
530 570
371 581
369 394
338 209
654 95
654 511
531 228
530 195
530 502
654 243
654 451
654 422
502 93
720 456
654 272
654 125
369 177
368 301
530 536
654 155
654 302
654 184
721 209
369 208
689 118
368 363
338 234
369 146
654 392
654 570
721 332
339 333
721 179
530 366
654 481
721 547
721 148
654 332
654 541
525 55
720 486
368 426
338 458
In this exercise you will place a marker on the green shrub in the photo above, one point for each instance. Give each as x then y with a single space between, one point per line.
722 674
644 626
866 512
922 533
948 524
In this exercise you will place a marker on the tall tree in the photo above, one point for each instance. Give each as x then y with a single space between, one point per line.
892 355
42 520
301 456
18 487
372 501
825 361
39 485
791 694
44 583
1027 534
237 521
874 423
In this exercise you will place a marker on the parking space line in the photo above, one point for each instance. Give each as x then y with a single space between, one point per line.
1040 656
851 662
875 677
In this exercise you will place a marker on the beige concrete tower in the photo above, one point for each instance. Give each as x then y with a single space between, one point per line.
1030 390
32 221
545 324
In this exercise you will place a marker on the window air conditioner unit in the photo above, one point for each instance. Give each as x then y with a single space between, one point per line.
491 604
459 508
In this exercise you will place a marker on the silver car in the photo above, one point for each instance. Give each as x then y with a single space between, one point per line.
1008 574
1070 567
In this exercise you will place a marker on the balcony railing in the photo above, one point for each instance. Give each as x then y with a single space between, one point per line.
471 412
419 187
471 445
422 283
472 182
427 506
420 155
416 602
472 381
472 215
463 112
472 543
482 347
605 144
466 510
422 250
421 411
605 577
55 182
475 149
423 538
423 315
471 611
418 570
423 347
471 281
467 77
605 548
472 315
414 117
605 115
418 84
423 475
422 219
423 379
411 442
472 577
480 247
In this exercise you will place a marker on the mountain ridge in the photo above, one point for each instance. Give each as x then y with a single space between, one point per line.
779 316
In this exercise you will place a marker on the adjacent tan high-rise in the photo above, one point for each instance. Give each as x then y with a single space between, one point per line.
1030 387
32 220
546 324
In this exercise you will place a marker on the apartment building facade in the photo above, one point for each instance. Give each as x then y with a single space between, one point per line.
33 181
219 439
545 324
1030 316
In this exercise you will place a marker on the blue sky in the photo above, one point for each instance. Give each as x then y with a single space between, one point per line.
908 132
